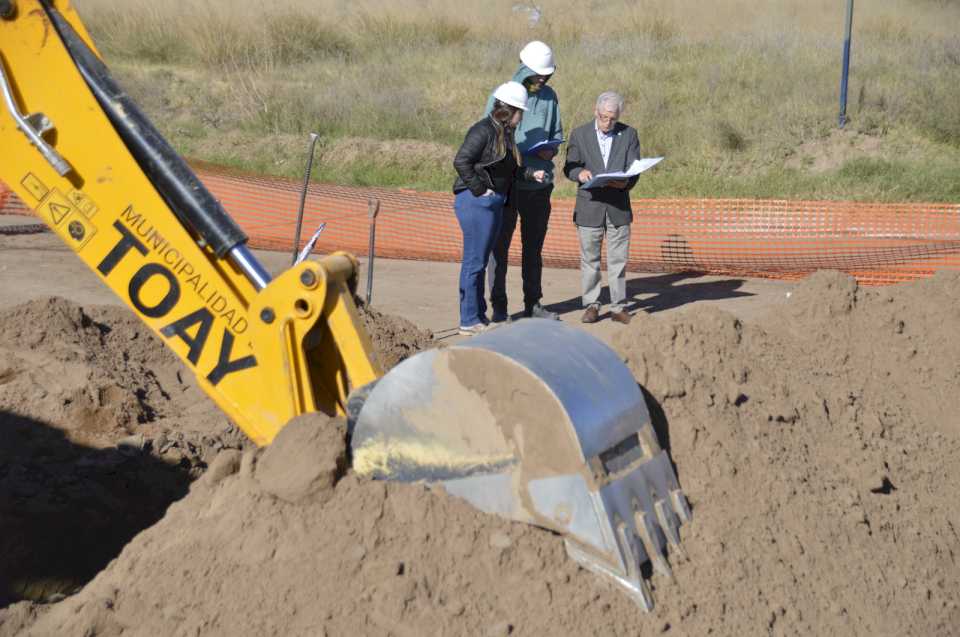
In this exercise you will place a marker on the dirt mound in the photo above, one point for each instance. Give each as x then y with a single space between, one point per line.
100 375
361 558
818 449
394 338
832 151
91 371
821 452
103 428
308 459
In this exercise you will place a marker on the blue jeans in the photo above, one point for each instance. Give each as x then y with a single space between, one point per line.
480 219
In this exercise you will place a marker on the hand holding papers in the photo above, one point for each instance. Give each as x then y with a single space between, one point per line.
637 167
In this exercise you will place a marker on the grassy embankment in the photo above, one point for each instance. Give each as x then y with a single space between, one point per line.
740 96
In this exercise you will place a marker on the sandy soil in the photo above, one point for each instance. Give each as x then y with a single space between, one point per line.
814 434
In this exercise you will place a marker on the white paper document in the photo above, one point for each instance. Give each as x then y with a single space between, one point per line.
551 144
638 166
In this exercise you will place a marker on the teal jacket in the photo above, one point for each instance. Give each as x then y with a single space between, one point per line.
541 121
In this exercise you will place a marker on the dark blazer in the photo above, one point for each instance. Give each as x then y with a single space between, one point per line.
583 152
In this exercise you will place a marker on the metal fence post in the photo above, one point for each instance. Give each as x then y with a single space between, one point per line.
373 208
846 65
303 196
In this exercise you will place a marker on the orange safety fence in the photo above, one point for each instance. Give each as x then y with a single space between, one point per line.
876 243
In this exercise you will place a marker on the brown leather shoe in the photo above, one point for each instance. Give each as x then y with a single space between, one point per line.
592 315
620 317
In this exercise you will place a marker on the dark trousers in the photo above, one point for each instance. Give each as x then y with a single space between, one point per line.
533 209
479 219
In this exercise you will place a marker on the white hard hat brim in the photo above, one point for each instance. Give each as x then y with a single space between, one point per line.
512 93
510 102
542 70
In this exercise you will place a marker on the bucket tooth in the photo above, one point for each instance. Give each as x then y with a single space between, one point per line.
680 505
644 594
651 540
669 525
632 558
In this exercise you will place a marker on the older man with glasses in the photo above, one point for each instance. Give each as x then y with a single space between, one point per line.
601 146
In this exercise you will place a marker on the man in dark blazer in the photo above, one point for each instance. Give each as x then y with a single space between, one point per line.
601 146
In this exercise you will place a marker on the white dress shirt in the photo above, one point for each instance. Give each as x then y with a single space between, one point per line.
606 142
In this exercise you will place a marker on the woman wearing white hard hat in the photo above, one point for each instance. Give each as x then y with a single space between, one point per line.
487 165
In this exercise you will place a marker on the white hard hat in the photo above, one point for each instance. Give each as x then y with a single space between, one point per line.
512 93
538 57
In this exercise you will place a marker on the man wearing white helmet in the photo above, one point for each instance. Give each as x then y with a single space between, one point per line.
538 136
487 164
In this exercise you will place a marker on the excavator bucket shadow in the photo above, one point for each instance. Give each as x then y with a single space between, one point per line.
537 422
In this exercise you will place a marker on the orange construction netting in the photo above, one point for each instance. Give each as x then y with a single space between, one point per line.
876 243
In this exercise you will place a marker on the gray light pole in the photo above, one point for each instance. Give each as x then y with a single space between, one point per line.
846 65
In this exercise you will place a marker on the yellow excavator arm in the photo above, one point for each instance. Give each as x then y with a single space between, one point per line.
78 151
535 421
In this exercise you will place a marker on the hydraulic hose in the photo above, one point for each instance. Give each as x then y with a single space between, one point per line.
189 199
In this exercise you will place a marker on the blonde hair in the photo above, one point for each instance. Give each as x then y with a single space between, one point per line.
500 115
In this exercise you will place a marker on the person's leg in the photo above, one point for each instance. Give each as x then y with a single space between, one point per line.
497 272
490 228
591 239
470 214
618 253
534 207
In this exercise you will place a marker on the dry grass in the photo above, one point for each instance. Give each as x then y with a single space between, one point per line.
732 92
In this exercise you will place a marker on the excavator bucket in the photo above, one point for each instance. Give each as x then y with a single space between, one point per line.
537 422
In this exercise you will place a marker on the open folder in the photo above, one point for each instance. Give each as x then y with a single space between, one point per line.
547 144
638 166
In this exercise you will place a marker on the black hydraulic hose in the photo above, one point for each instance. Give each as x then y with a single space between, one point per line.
189 199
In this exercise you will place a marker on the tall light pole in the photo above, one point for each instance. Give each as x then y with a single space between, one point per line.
846 65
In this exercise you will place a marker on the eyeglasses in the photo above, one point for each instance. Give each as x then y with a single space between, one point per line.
608 119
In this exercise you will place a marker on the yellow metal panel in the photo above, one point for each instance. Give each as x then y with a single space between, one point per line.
319 353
